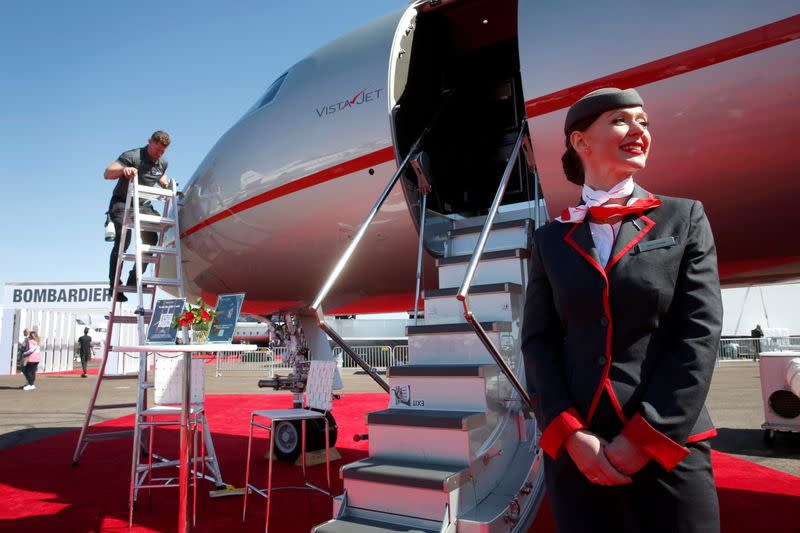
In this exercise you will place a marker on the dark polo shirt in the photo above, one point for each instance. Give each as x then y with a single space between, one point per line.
149 171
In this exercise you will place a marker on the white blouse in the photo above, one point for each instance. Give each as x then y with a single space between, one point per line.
604 235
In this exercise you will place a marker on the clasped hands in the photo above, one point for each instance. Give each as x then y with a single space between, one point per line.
604 463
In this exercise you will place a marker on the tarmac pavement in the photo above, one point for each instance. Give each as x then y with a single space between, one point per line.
59 403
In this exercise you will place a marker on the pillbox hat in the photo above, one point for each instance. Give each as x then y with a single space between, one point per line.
598 101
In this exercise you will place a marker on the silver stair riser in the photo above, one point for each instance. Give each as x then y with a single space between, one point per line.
503 239
410 501
419 444
488 307
451 348
512 269
454 393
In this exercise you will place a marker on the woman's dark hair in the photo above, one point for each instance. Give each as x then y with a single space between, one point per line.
571 161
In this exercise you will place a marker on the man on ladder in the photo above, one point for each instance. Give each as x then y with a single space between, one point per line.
148 166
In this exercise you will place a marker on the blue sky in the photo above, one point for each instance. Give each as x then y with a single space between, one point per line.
83 81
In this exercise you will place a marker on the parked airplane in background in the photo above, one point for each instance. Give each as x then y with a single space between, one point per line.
277 200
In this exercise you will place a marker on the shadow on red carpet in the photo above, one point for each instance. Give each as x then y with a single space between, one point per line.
41 492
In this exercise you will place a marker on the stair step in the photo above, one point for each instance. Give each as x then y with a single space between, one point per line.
427 418
459 371
525 223
515 253
430 329
444 478
363 525
475 289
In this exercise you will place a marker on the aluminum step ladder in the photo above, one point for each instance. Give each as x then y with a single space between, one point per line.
144 298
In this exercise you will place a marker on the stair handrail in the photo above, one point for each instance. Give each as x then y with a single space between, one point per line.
316 306
463 291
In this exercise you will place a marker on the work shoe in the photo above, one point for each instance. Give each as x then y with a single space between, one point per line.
84 376
121 297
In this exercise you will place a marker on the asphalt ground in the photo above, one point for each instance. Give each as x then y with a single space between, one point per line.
59 404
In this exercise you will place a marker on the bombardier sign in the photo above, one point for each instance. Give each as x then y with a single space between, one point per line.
78 295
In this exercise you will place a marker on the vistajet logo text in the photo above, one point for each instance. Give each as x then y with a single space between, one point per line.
361 97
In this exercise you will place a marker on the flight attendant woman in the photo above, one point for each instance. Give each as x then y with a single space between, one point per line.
621 330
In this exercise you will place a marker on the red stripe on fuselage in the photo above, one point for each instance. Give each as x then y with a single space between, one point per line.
720 51
726 49
348 167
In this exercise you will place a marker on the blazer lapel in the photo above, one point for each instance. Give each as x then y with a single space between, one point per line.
580 238
631 231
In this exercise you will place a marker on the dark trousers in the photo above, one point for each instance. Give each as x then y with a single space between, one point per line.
29 371
84 360
681 501
116 212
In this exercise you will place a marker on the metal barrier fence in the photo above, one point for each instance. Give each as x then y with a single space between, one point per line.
749 348
267 360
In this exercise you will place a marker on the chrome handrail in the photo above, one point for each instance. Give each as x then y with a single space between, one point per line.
463 291
316 306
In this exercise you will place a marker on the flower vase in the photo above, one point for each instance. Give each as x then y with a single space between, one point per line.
199 336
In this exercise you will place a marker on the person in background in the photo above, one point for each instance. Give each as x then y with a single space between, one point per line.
21 348
33 353
148 166
85 343
757 334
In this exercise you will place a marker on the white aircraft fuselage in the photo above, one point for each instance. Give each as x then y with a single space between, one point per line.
275 202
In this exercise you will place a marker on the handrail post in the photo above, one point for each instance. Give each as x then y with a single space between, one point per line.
463 291
423 210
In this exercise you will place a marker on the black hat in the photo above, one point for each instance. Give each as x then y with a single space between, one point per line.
599 101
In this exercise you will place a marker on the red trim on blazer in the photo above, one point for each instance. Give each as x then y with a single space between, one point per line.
605 383
650 224
606 310
697 437
661 448
557 431
615 401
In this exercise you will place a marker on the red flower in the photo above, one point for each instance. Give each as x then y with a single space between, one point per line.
204 314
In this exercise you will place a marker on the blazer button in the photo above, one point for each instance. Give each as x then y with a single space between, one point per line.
601 361
604 321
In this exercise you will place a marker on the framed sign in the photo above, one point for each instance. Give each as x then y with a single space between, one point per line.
161 330
228 308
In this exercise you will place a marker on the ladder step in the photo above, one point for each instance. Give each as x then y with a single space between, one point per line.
115 406
109 435
121 377
153 249
132 288
156 219
174 282
146 258
154 193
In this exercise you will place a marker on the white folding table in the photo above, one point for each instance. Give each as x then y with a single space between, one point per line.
184 523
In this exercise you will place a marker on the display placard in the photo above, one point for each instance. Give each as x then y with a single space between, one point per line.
228 308
162 330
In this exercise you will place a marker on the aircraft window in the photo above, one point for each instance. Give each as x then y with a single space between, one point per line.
272 91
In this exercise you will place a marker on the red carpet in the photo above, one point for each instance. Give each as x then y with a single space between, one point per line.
41 492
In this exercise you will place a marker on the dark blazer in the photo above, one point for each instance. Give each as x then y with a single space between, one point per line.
641 333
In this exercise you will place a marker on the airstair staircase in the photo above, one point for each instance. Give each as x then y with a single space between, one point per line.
455 450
